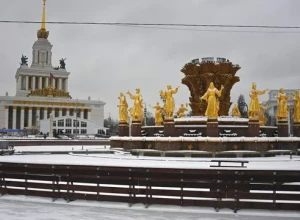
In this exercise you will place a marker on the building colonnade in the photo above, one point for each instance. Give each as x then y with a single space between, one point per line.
20 117
39 82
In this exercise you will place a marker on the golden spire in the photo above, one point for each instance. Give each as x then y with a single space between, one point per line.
42 33
43 26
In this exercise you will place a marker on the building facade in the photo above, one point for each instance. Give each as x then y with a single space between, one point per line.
42 89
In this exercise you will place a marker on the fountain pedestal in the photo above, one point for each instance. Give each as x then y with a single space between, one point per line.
136 128
283 128
123 129
296 129
212 127
253 128
169 127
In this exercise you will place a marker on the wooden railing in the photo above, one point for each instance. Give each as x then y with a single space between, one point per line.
218 188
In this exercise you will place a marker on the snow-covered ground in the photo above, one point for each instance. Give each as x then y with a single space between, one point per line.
128 160
34 208
61 148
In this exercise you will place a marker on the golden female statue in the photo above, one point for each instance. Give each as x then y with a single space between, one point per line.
235 112
136 111
181 111
158 112
261 115
123 106
283 108
254 103
169 100
296 97
212 102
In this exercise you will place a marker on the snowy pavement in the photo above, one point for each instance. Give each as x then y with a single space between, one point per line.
34 208
120 160
61 148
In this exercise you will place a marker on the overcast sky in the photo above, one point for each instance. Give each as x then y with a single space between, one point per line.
104 61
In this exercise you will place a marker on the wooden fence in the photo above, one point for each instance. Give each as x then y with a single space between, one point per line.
218 188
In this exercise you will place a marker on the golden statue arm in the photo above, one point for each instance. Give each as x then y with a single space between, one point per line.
204 97
174 91
130 95
262 91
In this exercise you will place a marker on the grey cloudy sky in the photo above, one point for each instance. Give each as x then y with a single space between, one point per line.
104 60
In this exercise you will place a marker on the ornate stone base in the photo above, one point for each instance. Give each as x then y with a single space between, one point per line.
296 129
169 127
136 128
212 128
123 129
283 128
253 128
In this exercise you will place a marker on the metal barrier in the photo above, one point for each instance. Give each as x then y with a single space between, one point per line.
218 188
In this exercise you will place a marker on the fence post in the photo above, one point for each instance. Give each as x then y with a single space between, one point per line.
181 187
55 185
3 183
148 188
131 189
218 192
274 190
98 185
236 199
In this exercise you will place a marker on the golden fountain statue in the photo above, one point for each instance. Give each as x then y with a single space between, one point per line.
123 106
136 111
158 112
261 115
283 108
212 102
296 97
169 100
235 112
181 111
254 103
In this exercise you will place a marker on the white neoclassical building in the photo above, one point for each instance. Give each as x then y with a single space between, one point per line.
42 89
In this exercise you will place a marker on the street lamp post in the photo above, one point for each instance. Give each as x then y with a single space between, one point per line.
76 122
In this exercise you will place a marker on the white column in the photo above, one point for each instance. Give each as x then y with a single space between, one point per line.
6 116
29 116
47 82
60 83
40 82
45 113
49 57
14 124
27 82
33 82
53 82
66 85
22 118
59 112
89 114
19 85
38 117
36 54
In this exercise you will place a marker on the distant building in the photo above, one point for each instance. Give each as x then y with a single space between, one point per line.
272 107
42 89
